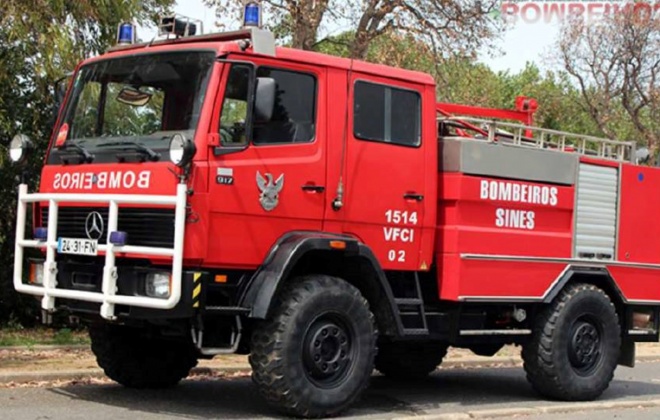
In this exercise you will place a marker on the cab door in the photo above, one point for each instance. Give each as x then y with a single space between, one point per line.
276 183
388 182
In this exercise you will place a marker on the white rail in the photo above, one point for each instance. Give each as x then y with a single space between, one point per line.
108 298
544 138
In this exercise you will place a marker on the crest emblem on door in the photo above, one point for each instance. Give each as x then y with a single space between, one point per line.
270 190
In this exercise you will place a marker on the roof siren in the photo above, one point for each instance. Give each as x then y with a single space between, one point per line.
125 33
252 14
180 26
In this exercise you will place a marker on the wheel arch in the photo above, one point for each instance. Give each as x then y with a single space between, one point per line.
598 276
301 253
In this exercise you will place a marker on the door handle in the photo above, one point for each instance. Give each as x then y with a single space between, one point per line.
413 196
313 188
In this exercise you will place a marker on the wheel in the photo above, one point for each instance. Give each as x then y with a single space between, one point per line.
575 345
135 361
314 356
402 360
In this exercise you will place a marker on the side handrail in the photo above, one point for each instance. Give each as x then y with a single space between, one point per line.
544 138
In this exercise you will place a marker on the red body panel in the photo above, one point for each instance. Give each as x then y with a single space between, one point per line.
471 221
503 280
127 178
638 284
136 178
639 226
483 216
378 176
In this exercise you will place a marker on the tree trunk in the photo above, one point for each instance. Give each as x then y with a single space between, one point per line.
306 16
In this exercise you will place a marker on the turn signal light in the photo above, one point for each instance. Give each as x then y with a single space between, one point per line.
338 245
36 275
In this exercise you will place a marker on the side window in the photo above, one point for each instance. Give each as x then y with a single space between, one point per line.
294 115
235 106
386 114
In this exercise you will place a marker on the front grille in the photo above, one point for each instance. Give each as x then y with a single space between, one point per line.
145 227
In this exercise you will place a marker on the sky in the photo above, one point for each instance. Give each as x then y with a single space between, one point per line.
523 42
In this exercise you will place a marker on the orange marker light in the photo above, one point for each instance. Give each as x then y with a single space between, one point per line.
221 278
36 274
62 135
33 274
337 244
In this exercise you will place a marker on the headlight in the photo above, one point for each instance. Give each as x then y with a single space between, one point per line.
182 150
158 285
36 274
19 148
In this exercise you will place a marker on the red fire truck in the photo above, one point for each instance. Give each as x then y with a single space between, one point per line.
213 194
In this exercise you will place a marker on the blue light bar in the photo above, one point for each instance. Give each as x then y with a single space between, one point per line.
125 34
118 238
41 233
251 15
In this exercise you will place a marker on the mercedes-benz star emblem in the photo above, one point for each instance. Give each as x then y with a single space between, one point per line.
94 225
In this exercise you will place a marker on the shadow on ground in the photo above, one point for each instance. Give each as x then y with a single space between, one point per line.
450 390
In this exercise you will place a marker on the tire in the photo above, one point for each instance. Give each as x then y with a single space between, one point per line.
135 361
575 345
315 355
401 360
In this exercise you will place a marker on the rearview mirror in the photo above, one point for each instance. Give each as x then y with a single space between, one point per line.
133 97
264 102
60 89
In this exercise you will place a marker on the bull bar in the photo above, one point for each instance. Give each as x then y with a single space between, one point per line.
108 297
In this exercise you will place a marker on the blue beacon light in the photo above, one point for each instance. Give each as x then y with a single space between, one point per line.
126 34
40 234
251 14
118 238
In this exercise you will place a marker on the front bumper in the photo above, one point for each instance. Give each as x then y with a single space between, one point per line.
86 275
109 295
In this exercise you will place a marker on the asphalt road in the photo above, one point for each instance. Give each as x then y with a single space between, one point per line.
481 392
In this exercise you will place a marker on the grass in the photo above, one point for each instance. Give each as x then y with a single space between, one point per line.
13 336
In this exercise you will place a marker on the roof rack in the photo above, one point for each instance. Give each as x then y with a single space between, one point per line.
539 138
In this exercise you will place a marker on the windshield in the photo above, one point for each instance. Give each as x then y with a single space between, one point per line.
141 99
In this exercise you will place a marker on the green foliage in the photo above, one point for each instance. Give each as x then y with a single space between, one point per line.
63 336
41 41
466 81
17 335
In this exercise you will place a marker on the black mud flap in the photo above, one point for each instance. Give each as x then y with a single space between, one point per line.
627 355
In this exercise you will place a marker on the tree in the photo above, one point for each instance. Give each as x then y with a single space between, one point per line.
615 63
447 26
465 80
40 41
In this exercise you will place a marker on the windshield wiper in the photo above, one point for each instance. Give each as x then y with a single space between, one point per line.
143 150
78 150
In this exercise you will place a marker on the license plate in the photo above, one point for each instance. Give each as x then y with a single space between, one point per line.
77 246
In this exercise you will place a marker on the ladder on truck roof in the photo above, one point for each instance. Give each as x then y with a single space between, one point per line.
522 135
